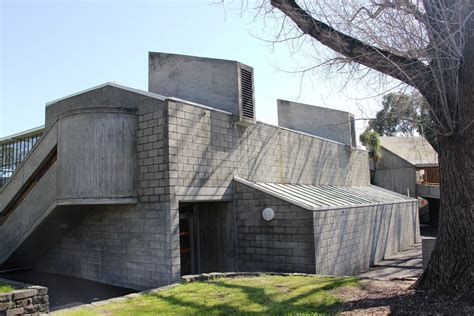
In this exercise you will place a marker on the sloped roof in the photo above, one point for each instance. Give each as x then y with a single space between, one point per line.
415 150
325 197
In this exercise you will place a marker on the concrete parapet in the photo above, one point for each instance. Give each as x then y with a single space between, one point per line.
427 246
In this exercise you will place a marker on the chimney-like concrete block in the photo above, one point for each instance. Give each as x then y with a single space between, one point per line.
212 82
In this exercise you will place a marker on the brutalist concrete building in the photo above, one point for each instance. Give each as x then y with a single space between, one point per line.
136 188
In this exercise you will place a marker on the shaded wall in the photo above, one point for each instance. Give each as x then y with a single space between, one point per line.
395 174
348 241
124 245
216 237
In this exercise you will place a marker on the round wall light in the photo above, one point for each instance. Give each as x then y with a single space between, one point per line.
268 214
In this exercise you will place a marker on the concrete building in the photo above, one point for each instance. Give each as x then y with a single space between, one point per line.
409 166
136 188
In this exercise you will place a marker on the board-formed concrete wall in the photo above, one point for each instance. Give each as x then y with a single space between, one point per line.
125 245
208 81
324 122
333 242
97 154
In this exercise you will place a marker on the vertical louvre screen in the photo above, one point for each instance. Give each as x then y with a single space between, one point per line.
246 82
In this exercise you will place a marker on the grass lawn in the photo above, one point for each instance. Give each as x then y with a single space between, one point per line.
5 288
257 295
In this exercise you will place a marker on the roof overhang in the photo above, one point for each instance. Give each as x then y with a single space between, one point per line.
328 197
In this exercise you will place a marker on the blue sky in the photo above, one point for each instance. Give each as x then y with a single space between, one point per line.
50 49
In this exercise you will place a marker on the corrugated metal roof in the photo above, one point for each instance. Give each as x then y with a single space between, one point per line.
324 197
415 150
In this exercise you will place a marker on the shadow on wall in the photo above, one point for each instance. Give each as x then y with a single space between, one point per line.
214 148
348 241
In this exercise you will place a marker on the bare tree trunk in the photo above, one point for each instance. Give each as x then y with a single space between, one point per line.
451 268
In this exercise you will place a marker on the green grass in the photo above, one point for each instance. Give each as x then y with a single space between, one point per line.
270 295
5 288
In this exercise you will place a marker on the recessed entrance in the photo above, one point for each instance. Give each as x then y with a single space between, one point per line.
206 237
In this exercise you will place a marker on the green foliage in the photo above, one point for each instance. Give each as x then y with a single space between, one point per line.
5 288
269 295
371 140
404 114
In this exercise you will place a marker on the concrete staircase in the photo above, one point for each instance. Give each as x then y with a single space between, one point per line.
29 196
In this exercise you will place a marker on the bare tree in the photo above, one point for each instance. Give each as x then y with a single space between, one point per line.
428 45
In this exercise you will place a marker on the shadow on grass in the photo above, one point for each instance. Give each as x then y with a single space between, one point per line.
410 303
315 300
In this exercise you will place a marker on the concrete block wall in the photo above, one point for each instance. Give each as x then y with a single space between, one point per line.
348 241
209 149
130 245
335 242
284 244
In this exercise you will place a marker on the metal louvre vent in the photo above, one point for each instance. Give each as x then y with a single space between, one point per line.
246 82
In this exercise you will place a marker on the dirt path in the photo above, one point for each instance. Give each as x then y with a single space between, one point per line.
375 297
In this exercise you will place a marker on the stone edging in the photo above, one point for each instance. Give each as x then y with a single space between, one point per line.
228 275
25 299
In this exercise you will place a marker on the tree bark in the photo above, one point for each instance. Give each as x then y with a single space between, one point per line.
451 268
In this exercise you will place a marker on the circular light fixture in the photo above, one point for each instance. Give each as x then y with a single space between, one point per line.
268 214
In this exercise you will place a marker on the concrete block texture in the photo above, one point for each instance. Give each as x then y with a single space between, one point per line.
127 245
284 244
329 242
207 149
348 241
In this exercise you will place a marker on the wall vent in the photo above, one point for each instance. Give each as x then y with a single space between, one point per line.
246 81
247 100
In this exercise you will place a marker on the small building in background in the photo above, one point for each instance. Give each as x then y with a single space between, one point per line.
409 166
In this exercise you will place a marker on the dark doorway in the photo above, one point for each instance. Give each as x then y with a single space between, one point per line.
206 237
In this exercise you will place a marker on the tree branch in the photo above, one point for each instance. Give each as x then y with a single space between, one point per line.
408 70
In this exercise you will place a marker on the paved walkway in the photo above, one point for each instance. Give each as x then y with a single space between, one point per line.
406 264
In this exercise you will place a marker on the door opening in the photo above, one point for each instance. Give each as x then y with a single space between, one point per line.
206 237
